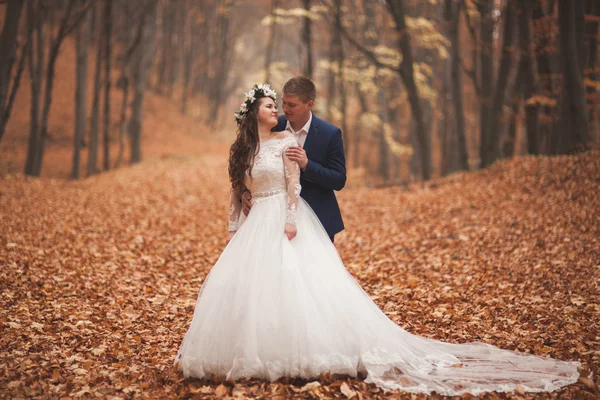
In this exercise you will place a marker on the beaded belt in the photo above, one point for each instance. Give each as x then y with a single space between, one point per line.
269 193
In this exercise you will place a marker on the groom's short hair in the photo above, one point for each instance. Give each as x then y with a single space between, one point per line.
302 87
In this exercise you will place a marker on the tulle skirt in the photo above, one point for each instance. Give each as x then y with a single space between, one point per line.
271 308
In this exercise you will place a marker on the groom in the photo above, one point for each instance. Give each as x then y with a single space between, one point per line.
320 153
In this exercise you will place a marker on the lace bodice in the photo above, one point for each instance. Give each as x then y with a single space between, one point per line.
273 173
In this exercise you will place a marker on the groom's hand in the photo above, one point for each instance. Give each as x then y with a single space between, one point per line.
298 155
246 202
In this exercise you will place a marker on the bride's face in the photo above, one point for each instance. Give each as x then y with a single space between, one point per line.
267 112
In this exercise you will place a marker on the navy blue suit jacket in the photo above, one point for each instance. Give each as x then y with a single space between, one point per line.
325 172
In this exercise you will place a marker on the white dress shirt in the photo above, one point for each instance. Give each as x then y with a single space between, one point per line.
302 133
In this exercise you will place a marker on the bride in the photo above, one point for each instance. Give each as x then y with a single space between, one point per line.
280 303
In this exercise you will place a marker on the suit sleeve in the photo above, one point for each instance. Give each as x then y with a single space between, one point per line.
332 175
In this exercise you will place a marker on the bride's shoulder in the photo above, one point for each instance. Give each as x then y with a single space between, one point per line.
283 135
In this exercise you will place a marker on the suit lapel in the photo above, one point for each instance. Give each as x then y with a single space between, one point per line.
311 135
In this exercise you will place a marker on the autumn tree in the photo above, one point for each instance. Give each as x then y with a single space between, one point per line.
8 52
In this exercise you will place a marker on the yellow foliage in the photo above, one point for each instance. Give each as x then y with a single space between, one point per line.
587 82
427 36
539 100
397 148
423 73
290 16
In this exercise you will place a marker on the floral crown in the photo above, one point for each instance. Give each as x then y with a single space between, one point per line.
257 91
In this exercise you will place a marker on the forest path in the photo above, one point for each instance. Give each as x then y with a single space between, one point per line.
99 277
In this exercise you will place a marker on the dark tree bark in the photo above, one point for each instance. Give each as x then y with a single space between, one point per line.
529 79
341 84
488 145
81 44
107 81
224 59
579 7
8 51
133 38
592 29
406 71
35 58
66 25
143 57
452 16
92 161
504 70
574 134
123 81
384 148
508 145
174 60
190 32
307 40
165 46
335 44
544 73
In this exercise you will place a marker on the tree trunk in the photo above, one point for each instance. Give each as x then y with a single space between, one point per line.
504 70
107 80
271 41
341 84
8 51
35 57
406 73
189 47
452 16
529 81
81 45
307 39
574 134
173 43
579 7
488 145
593 9
223 66
55 43
508 145
384 148
165 47
92 164
333 45
544 73
132 41
142 61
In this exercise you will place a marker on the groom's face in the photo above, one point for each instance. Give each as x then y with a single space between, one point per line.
294 108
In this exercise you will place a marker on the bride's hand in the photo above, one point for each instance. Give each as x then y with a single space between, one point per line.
246 202
290 231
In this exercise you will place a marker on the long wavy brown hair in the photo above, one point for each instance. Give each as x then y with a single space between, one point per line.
244 148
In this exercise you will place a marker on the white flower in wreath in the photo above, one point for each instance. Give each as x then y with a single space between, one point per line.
252 93
262 87
243 107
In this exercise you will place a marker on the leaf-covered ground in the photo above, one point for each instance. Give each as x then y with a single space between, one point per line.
99 277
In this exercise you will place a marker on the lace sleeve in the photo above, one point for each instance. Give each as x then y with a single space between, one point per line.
235 206
292 179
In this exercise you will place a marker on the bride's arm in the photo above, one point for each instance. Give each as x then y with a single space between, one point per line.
235 205
292 178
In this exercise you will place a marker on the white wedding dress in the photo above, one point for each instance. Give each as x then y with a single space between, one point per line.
271 307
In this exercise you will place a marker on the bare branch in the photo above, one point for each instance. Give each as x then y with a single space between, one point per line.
17 80
363 49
